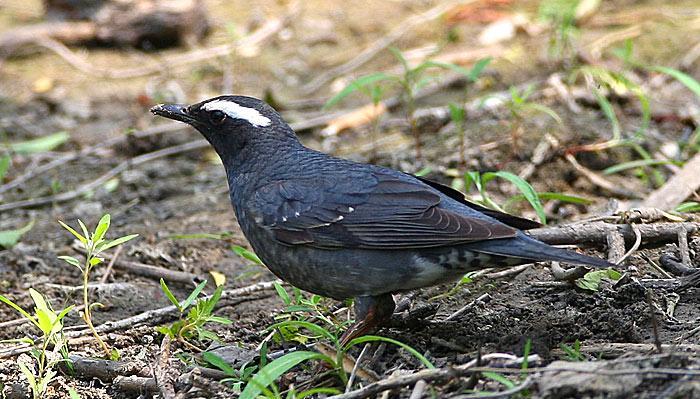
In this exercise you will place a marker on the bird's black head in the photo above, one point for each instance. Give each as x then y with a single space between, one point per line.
236 126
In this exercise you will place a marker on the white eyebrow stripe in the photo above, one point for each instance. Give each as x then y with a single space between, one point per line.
236 111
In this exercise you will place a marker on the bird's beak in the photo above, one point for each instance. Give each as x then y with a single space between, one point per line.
177 112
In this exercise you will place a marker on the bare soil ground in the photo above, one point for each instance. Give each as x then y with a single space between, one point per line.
618 326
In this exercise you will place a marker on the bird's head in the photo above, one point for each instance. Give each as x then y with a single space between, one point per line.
234 125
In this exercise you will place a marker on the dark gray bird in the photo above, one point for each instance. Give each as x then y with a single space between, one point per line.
350 230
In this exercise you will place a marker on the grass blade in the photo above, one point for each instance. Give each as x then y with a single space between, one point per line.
354 86
268 374
375 338
635 164
687 80
525 188
41 144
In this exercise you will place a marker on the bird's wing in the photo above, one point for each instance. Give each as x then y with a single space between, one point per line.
510 220
365 210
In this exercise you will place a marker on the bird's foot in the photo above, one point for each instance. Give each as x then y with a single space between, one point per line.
371 312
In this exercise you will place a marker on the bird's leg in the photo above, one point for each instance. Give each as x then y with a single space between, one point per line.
370 313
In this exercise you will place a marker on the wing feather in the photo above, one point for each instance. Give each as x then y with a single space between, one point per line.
368 211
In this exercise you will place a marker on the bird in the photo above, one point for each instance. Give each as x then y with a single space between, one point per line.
344 229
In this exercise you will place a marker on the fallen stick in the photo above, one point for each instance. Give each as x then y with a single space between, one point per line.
448 373
595 233
677 188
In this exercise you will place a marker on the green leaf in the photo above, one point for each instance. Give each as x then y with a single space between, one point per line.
525 188
193 295
84 228
456 113
4 166
251 256
591 281
609 112
550 196
19 310
682 77
635 164
41 144
102 227
96 260
318 330
71 260
10 238
273 370
423 171
500 378
314 391
478 67
29 375
691 206
75 233
282 293
73 393
219 319
545 110
444 65
216 361
399 56
170 296
210 303
356 85
118 241
375 338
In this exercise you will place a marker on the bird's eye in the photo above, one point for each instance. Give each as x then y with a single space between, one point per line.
217 117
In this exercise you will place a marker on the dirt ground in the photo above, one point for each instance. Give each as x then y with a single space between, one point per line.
618 326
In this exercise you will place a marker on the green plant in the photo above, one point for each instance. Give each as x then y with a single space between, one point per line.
191 325
561 16
50 323
308 308
458 113
573 353
270 372
520 107
480 180
688 207
409 81
94 244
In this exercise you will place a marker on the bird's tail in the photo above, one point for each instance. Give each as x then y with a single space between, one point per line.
528 248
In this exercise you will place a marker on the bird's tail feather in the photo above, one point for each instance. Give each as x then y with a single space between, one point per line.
528 248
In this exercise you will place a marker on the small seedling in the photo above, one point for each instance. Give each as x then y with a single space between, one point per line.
409 81
263 379
573 353
94 245
193 316
561 15
50 323
480 180
521 107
